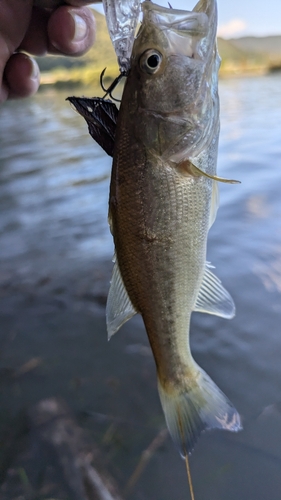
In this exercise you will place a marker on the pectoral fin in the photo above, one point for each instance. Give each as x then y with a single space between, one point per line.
191 169
119 307
197 171
213 298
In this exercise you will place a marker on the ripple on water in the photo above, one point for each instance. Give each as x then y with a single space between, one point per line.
54 185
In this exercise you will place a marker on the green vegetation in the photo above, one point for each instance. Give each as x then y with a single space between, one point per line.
239 56
250 54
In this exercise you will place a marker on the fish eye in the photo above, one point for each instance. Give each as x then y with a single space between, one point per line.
150 61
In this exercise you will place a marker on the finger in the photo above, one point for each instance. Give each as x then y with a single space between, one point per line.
36 40
21 76
71 30
79 3
4 92
51 4
67 30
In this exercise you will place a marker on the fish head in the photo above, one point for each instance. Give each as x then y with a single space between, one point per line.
173 79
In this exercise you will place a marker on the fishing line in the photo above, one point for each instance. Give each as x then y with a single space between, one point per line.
185 456
189 477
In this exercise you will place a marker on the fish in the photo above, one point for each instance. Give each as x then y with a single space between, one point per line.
163 200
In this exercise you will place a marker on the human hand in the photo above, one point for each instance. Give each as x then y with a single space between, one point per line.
66 29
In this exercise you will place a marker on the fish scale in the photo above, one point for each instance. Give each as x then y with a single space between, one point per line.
152 270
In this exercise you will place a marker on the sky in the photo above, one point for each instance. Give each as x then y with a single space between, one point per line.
241 17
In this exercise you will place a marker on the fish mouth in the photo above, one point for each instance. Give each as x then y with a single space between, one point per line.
189 33
182 99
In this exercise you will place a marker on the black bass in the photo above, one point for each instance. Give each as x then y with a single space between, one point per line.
163 201
162 205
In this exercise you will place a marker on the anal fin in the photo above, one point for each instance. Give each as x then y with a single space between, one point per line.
119 307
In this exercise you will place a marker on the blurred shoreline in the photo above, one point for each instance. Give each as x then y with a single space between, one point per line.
240 56
63 78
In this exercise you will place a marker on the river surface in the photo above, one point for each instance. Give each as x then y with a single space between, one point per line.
55 262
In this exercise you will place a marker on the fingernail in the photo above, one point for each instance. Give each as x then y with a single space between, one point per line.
34 73
80 27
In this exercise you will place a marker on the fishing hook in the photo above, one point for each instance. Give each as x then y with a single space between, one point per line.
109 90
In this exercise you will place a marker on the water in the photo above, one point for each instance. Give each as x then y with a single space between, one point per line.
55 253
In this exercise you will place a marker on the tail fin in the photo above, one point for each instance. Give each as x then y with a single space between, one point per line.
200 406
